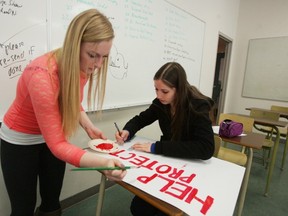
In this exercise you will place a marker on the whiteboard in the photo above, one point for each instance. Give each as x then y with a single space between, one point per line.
23 37
147 35
266 74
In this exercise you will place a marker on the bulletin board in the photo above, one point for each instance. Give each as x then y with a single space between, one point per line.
147 35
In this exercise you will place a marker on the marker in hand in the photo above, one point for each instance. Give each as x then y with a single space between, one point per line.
118 129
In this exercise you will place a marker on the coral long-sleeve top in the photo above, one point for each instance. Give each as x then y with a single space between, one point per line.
35 109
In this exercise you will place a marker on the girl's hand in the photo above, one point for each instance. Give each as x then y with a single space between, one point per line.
114 175
95 133
91 160
92 131
145 147
121 138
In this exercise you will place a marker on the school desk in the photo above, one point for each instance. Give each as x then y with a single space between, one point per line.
274 125
160 204
282 114
251 141
283 131
206 189
164 206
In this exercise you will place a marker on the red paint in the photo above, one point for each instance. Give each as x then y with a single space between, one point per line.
163 169
104 146
180 191
150 165
175 189
116 154
206 203
139 161
131 155
187 179
146 179
176 173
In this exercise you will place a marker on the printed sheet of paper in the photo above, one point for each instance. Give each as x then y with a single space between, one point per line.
197 187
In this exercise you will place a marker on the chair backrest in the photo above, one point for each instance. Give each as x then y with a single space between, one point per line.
279 108
245 120
264 114
218 143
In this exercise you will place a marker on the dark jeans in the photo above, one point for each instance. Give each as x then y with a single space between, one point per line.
21 166
139 207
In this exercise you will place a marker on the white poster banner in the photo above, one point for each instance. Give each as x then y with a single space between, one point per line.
197 187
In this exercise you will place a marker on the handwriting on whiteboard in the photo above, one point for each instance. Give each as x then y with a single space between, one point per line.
9 8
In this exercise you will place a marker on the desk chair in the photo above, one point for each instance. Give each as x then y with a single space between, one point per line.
283 131
268 144
238 157
218 143
281 109
228 154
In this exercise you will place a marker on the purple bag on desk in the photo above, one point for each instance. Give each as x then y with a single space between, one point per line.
229 128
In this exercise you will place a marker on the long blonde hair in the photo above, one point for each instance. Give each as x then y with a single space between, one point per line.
88 26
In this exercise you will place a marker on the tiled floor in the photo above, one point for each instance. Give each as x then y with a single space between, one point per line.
116 203
117 200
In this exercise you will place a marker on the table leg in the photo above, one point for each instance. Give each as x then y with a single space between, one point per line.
101 195
272 161
245 182
285 152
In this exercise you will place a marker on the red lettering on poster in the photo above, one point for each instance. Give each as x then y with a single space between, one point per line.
187 179
176 173
181 188
206 204
117 153
150 165
146 179
169 183
163 169
139 161
130 155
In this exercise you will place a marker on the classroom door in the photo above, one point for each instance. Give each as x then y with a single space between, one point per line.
220 77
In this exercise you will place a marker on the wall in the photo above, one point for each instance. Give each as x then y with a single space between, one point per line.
271 20
220 17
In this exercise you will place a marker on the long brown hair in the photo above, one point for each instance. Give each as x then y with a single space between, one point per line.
88 26
174 76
